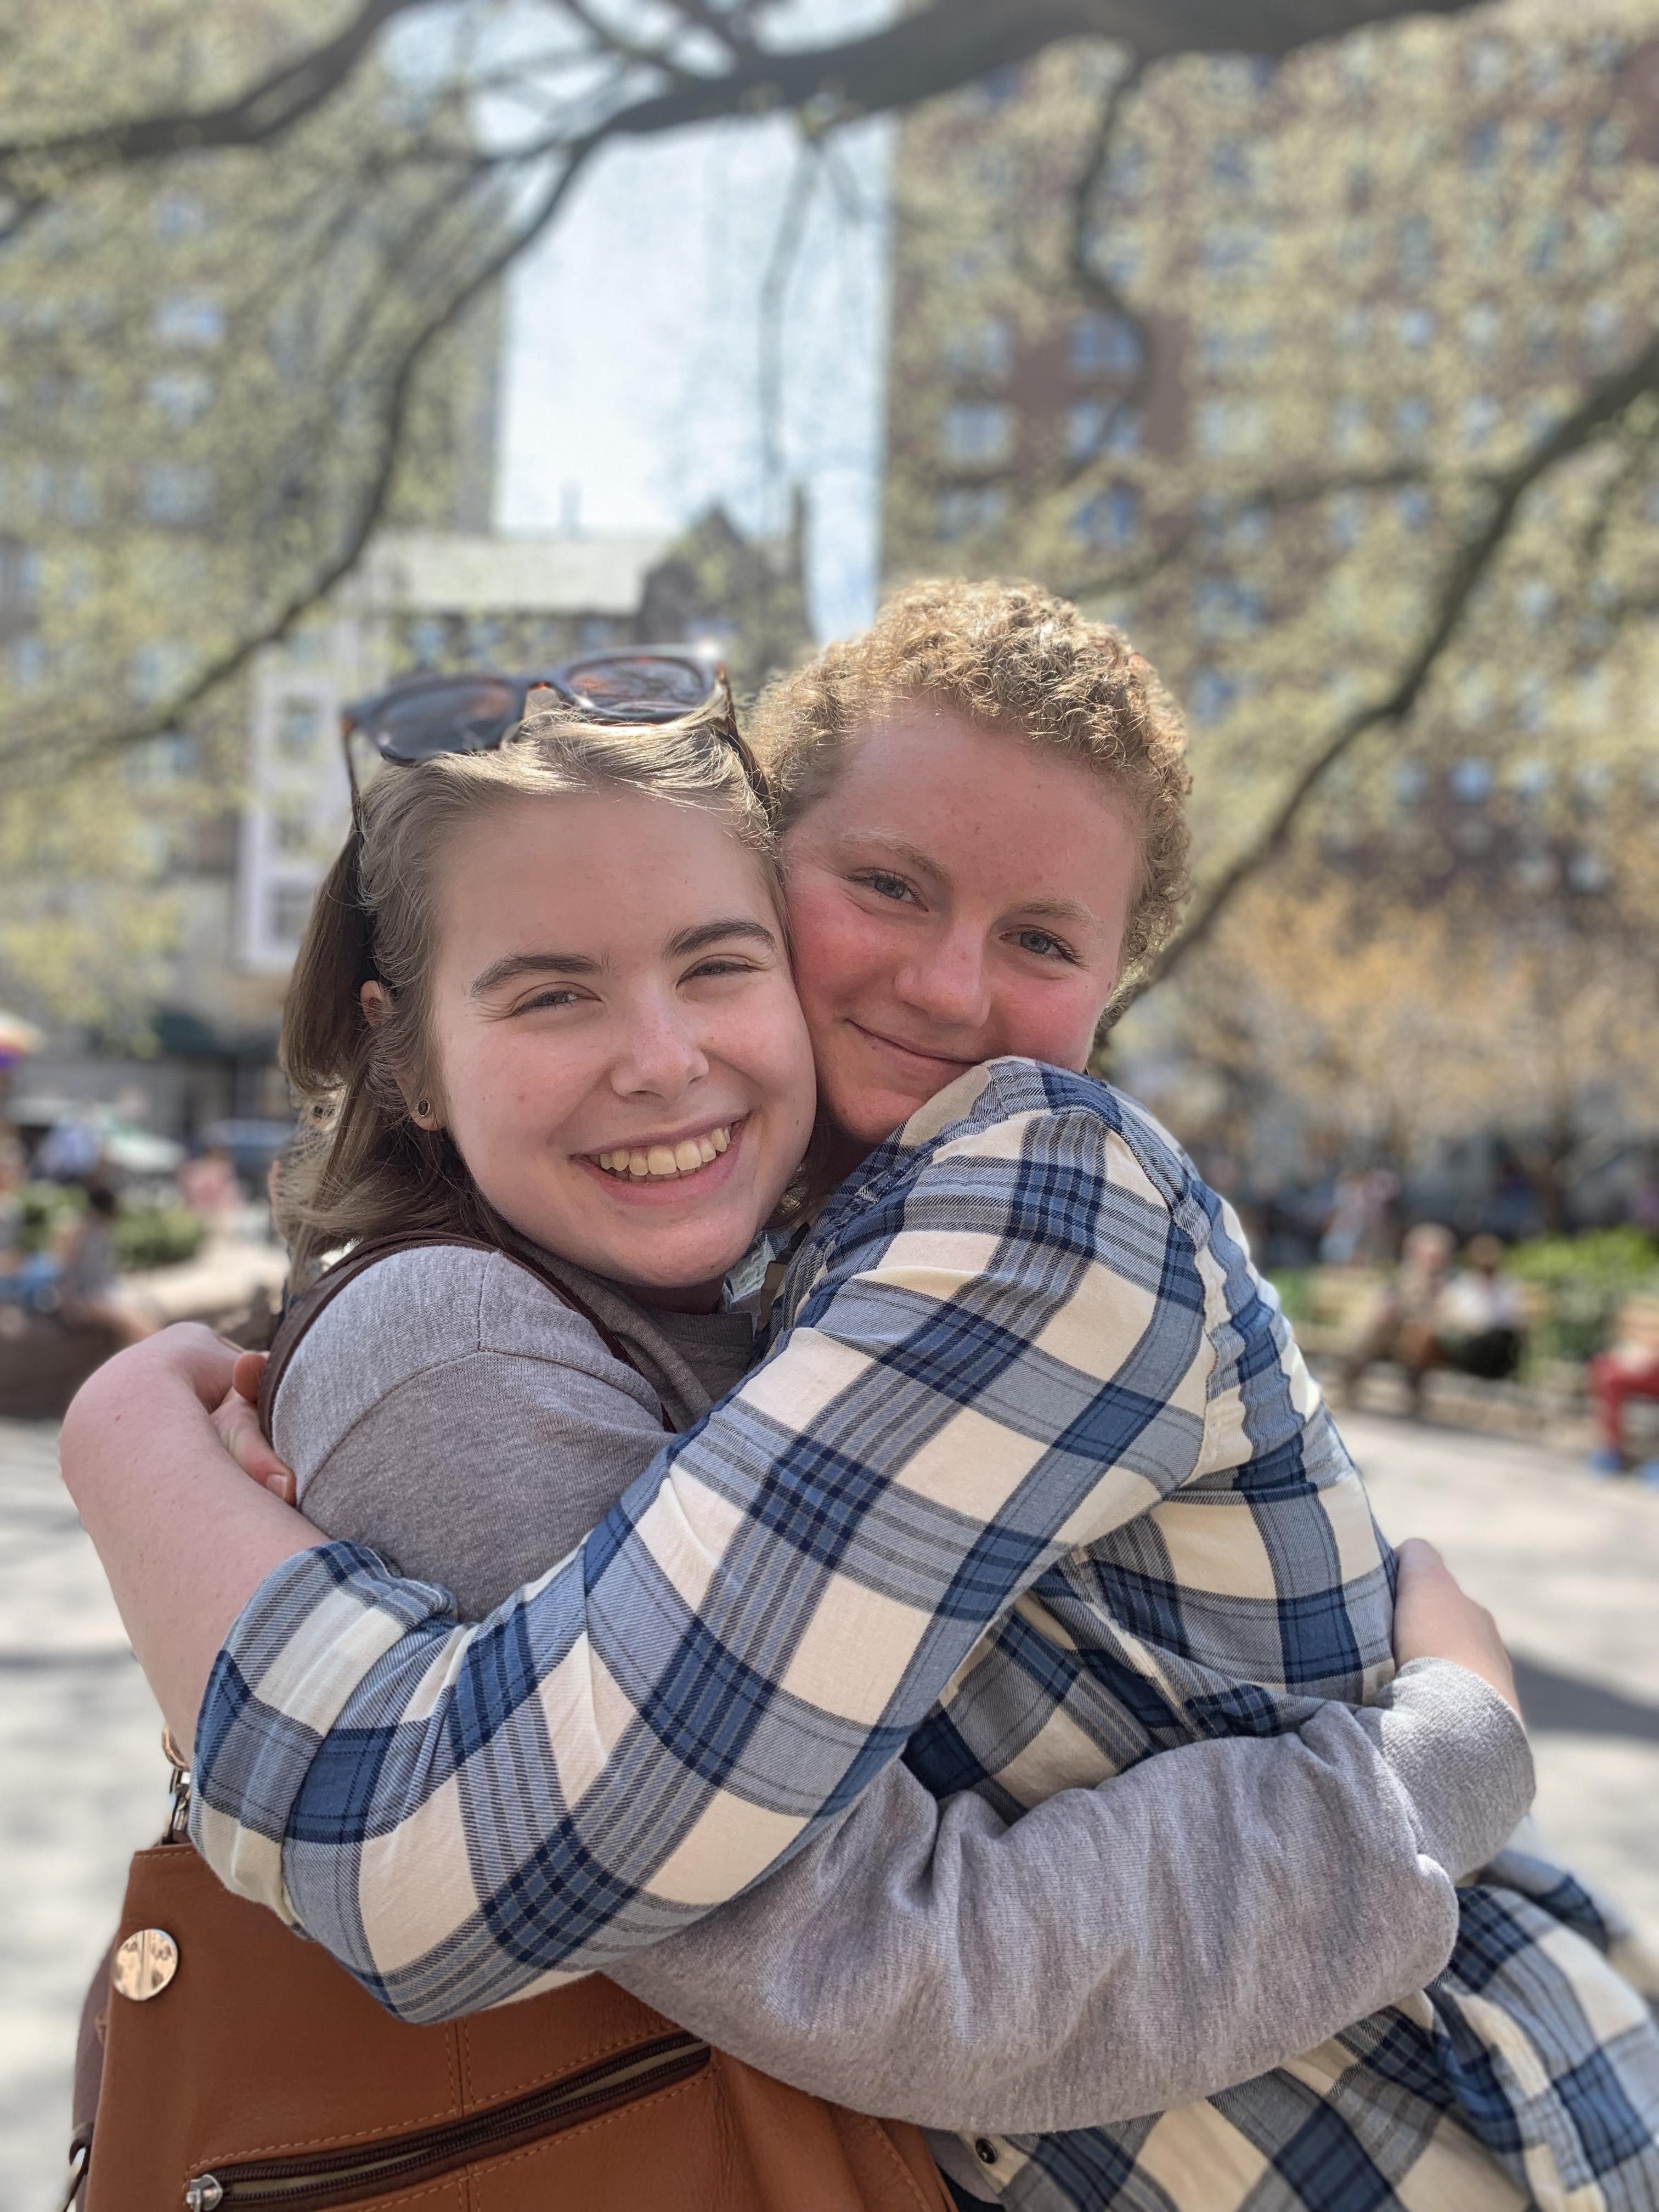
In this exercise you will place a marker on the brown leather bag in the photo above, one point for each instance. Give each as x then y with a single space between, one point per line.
241 2066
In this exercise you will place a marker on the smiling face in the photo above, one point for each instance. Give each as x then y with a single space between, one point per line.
958 894
621 1058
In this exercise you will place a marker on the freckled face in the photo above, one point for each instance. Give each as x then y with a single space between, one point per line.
958 894
623 1063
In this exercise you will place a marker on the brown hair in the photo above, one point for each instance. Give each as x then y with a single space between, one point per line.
364 1167
1008 657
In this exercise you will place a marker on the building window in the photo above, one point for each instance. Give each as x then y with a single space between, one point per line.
1414 506
188 318
1489 64
1415 242
1211 695
1222 607
1480 147
1411 418
984 348
595 630
176 492
181 395
180 215
1231 165
1544 252
1482 326
290 834
27 662
20 576
428 641
1602 323
1547 142
287 911
1417 328
1230 250
299 723
1230 427
1104 345
1471 780
1096 426
1481 416
1111 518
967 512
977 432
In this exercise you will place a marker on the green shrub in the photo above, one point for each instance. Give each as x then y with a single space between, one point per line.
1584 1279
1295 1290
158 1236
46 1210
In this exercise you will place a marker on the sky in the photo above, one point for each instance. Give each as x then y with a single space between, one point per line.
633 370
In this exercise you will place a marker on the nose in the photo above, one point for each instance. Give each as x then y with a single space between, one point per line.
945 981
661 1053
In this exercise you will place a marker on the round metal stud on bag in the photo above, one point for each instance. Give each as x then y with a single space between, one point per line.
144 1964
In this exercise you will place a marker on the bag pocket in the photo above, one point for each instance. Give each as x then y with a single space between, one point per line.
362 2172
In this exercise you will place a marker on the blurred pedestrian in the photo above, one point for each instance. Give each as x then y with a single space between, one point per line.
1628 1369
1481 1317
11 1203
211 1186
88 1288
1402 1326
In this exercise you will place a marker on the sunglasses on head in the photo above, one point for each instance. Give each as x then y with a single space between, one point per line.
423 716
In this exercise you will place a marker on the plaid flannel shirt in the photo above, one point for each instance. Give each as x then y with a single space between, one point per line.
1033 1482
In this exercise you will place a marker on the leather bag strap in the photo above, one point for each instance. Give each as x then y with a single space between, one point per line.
298 1320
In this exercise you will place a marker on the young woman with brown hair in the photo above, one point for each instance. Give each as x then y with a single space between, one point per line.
1024 1307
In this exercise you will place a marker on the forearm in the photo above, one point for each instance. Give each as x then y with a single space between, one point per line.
1209 1915
183 1537
792 1568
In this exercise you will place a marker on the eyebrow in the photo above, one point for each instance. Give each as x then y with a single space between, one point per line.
512 965
714 932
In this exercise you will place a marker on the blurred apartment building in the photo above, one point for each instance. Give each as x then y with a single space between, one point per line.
176 358
1235 373
1260 234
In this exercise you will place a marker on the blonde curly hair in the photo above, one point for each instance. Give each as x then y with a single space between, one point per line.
1006 656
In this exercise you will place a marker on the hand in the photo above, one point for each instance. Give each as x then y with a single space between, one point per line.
1434 1619
236 1424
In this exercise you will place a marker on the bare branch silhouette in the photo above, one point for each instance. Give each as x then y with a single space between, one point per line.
1604 404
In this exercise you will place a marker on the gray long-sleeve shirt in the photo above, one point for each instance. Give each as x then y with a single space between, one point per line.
1116 1951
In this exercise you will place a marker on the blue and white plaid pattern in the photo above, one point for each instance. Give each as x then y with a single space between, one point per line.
1035 1482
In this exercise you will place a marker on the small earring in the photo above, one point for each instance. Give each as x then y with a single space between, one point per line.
422 1107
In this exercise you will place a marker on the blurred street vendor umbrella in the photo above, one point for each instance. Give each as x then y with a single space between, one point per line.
18 1038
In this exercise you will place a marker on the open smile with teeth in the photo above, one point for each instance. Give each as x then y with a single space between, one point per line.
663 1163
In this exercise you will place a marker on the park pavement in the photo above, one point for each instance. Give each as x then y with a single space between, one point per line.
1570 1566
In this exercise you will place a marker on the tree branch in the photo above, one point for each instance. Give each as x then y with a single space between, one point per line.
400 391
938 47
1085 276
263 112
1276 498
1604 404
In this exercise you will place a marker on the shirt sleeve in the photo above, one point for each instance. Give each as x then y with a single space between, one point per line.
1005 1355
1180 1929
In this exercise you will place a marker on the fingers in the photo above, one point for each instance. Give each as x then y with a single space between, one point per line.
247 1374
237 1425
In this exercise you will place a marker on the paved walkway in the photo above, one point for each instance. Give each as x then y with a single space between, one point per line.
1571 1566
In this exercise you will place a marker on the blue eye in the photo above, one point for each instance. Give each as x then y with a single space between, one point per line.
886 886
1043 945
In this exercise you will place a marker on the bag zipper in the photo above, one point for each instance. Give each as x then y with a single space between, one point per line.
342 2177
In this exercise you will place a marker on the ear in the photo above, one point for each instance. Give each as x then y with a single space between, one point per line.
376 1007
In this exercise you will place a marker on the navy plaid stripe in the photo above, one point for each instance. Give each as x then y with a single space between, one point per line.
819 1577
